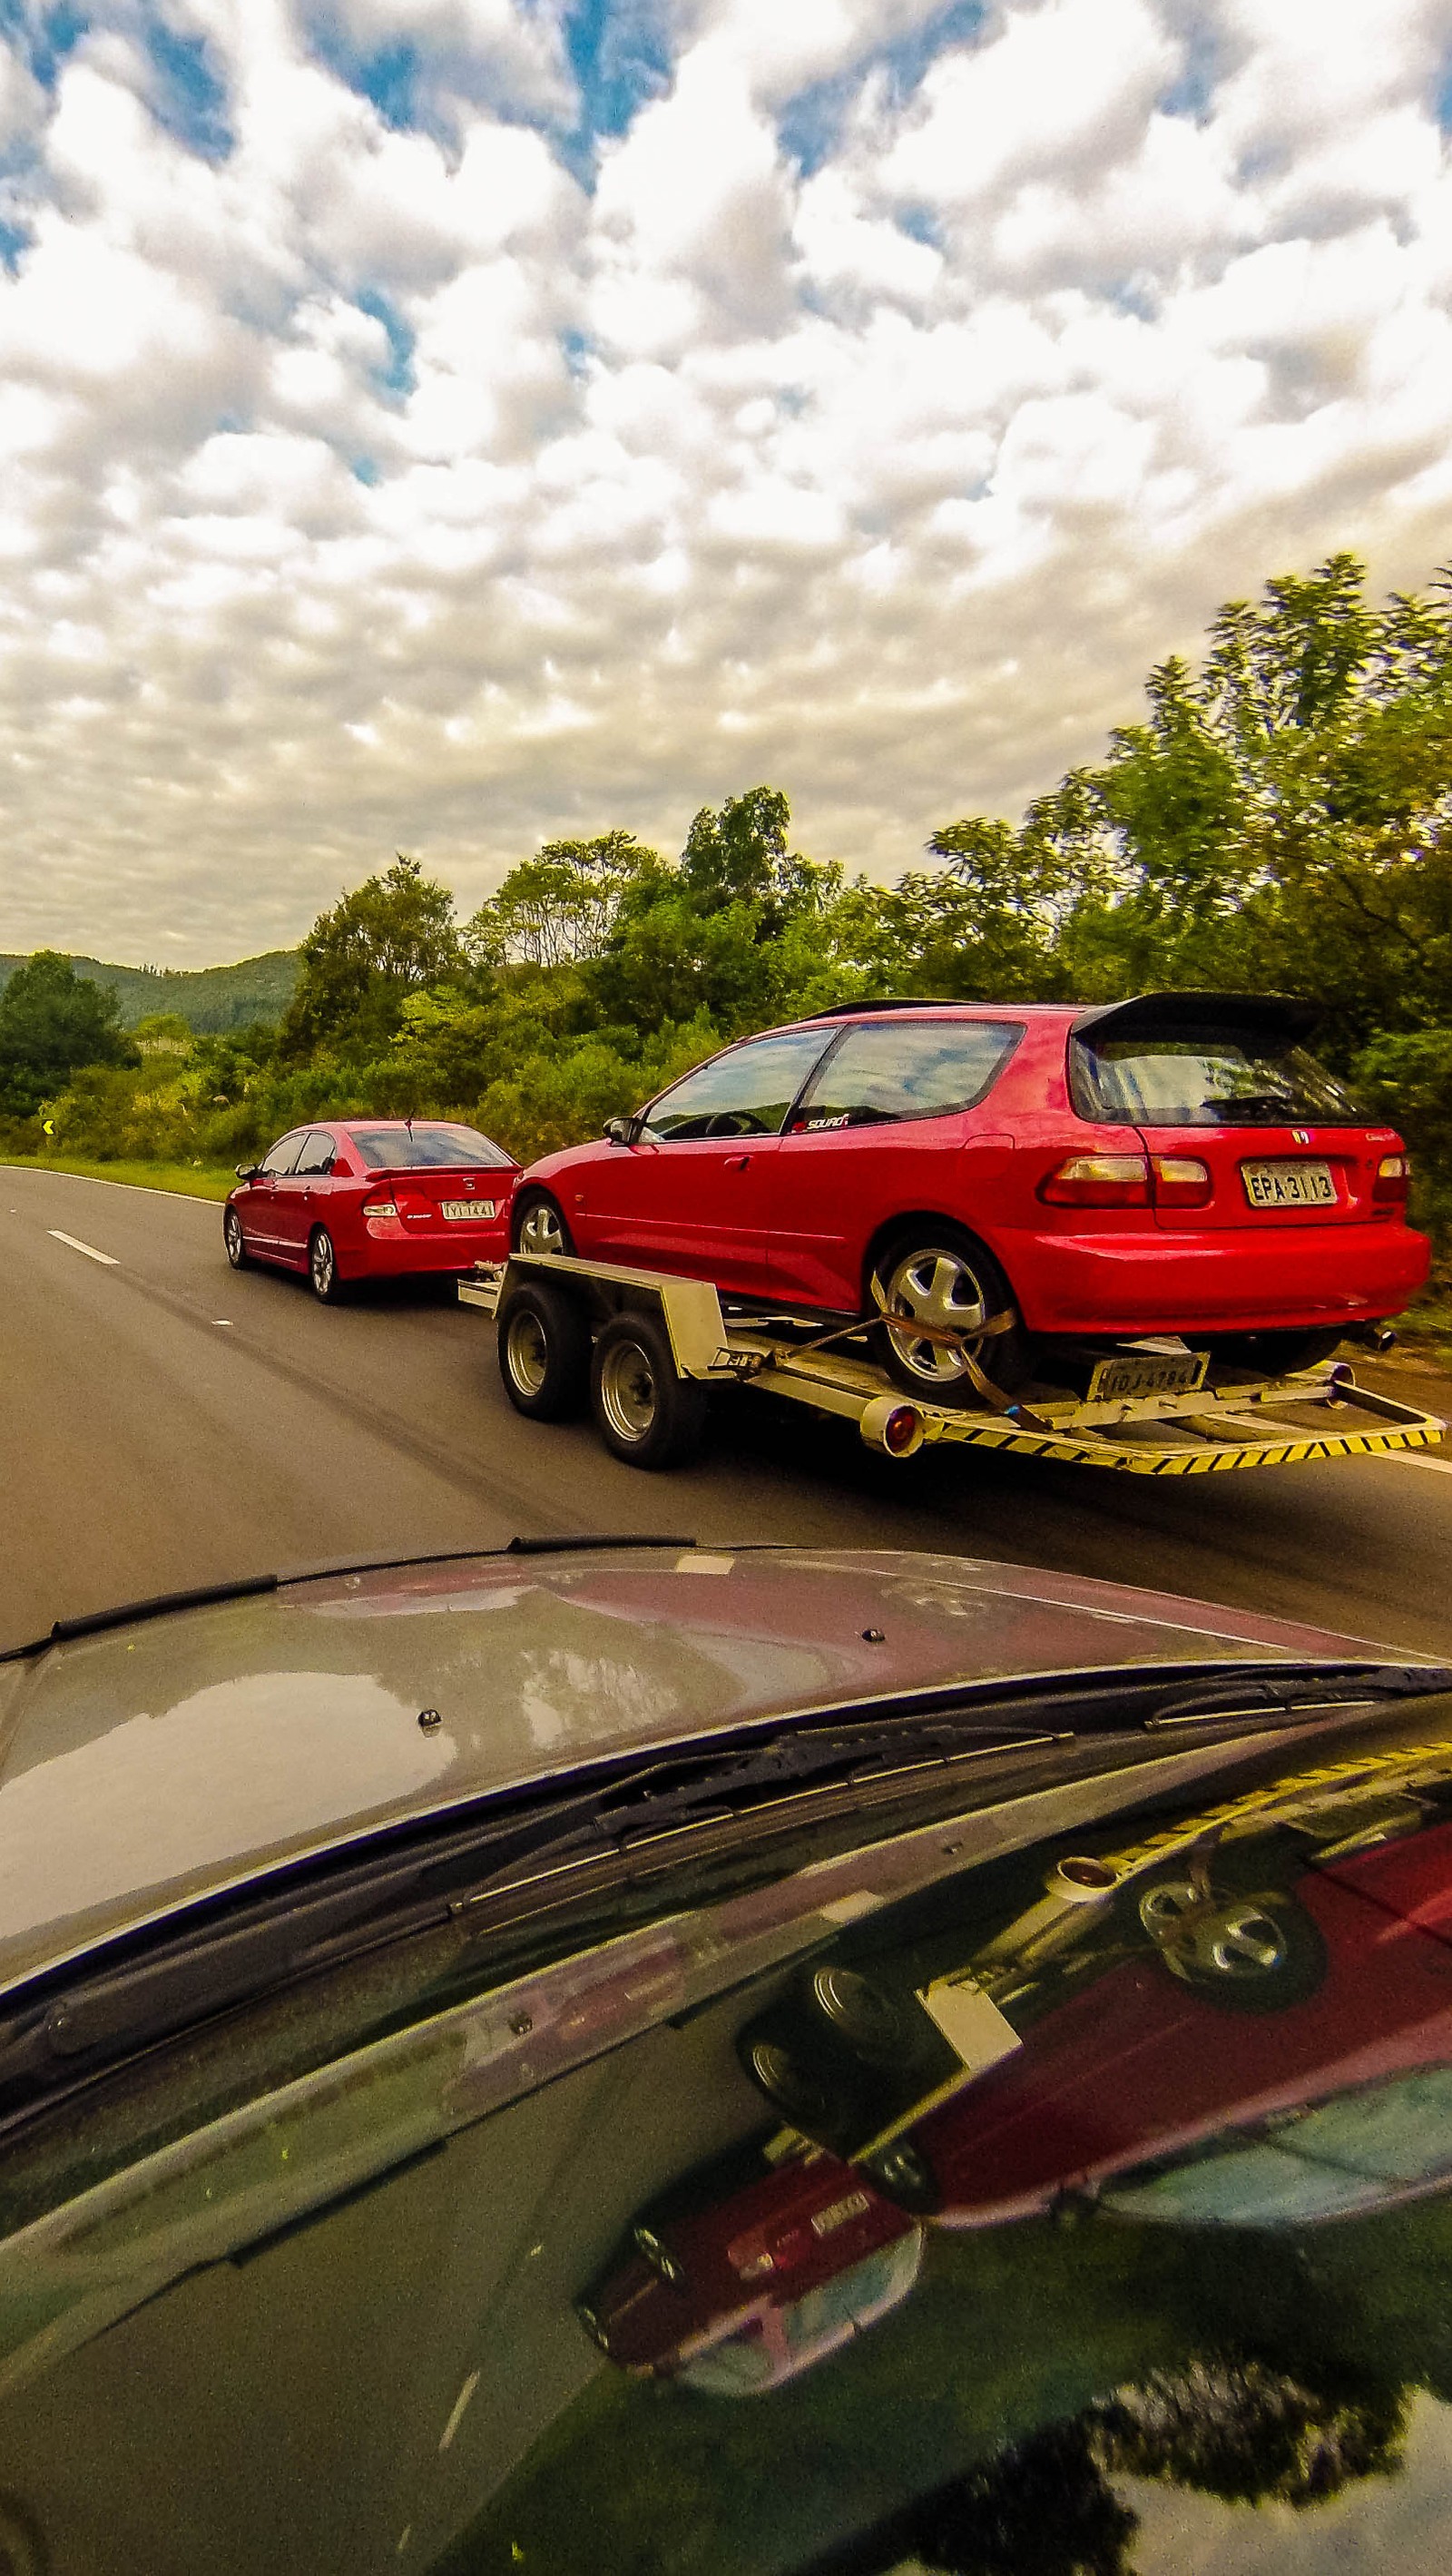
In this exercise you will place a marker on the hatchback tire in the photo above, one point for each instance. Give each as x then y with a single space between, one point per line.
938 1275
1273 1354
544 1352
539 1226
235 1240
323 1278
645 1412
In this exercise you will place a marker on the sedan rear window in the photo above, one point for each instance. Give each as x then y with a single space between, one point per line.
403 1149
907 1069
1206 1078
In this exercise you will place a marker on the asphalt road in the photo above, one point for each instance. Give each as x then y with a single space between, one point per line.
164 1423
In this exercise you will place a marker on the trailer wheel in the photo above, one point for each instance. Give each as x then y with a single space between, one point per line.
544 1352
645 1412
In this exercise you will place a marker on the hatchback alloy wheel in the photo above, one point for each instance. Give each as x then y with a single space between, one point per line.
938 1299
542 1229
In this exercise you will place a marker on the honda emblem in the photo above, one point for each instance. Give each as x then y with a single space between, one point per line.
1301 1135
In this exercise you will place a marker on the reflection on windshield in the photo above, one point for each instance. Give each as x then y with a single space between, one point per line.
954 2233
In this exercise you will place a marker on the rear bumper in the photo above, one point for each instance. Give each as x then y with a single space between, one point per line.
1296 1276
390 1253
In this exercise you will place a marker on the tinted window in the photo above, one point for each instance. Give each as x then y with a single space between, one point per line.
282 1157
1201 1079
745 1093
907 1069
399 1149
317 1153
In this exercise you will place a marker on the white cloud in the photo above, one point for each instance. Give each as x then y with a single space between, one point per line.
392 479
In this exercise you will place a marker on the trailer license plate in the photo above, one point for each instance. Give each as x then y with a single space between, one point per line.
1148 1373
461 1210
1277 1185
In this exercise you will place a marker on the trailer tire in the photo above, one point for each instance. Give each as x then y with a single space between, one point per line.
544 1352
646 1413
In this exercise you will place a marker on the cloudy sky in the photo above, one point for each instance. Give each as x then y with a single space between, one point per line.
440 424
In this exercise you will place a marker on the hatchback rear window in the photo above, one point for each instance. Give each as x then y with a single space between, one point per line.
906 1069
401 1149
1206 1078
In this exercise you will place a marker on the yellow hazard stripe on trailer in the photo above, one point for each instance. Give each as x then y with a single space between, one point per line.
1205 1458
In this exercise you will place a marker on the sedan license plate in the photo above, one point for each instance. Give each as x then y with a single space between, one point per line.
1148 1373
1278 1185
460 1211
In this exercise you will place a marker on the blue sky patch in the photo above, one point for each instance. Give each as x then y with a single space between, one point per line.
188 95
1444 96
395 376
620 56
43 37
1193 87
812 122
14 239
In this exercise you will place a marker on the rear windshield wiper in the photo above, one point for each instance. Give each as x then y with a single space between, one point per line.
60 2027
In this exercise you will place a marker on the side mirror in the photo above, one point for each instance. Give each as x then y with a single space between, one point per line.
622 1131
248 1171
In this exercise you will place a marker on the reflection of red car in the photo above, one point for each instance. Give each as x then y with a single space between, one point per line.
372 1198
747 2272
1140 2089
1172 1165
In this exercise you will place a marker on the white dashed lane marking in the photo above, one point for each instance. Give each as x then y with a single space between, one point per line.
88 1249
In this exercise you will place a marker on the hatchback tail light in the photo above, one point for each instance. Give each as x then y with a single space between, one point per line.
1181 1180
1099 1180
1393 1179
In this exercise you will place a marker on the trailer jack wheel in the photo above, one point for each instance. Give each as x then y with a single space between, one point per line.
645 1412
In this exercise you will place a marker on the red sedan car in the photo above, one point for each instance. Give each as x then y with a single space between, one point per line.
747 2273
372 1198
1175 1165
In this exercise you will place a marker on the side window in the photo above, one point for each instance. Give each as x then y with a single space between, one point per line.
283 1157
745 1093
317 1156
907 1069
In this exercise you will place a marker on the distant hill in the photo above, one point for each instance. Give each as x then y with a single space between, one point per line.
210 999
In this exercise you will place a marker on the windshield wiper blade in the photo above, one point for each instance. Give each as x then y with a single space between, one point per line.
1302 1692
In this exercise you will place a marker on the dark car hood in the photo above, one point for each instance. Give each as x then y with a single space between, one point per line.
156 1762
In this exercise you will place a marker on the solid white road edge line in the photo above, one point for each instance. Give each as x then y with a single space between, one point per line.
1439 1466
88 1249
146 1189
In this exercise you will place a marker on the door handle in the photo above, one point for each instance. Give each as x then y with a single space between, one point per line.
737 1162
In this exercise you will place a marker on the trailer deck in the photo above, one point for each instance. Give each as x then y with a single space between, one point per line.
1242 1422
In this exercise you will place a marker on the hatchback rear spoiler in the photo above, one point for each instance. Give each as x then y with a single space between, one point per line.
1153 1014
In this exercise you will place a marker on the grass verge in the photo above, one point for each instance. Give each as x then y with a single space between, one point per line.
193 1180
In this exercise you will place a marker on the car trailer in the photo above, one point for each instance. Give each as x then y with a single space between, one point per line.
644 1349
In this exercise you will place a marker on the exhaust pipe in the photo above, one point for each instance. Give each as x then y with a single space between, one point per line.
1374 1337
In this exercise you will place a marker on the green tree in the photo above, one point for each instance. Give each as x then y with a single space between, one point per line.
558 907
390 937
53 1021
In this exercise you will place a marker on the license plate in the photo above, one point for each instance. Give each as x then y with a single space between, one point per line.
1278 1185
1149 1373
460 1211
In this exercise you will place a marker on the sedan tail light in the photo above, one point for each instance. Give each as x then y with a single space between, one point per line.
1099 1180
1181 1180
1393 1179
380 1207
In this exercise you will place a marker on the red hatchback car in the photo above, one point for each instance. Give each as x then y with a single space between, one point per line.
1174 1165
372 1198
